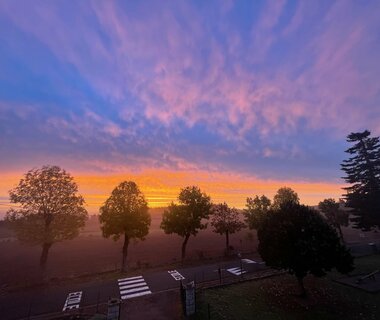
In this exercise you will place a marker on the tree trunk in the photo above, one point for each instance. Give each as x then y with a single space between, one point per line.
125 253
302 287
44 255
184 247
341 234
227 241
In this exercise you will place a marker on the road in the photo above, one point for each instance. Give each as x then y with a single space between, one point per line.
34 302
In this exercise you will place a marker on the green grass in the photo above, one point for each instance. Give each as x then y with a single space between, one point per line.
276 298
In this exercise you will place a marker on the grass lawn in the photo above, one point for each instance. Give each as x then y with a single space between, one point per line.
276 298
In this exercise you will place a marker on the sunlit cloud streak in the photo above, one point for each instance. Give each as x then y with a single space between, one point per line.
161 187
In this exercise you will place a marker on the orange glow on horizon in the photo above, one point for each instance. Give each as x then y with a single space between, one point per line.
161 187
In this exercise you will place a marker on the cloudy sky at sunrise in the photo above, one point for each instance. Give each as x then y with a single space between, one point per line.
238 97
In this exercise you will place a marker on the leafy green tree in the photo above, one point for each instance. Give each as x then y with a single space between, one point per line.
255 211
125 213
186 218
283 196
297 238
225 221
50 208
335 216
363 174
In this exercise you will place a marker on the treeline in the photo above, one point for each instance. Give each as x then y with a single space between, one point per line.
291 236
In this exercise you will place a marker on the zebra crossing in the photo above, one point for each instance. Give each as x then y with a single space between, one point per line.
236 271
133 287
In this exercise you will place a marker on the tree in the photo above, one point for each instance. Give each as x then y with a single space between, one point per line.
296 238
335 216
186 218
283 196
256 210
363 174
50 210
125 213
225 220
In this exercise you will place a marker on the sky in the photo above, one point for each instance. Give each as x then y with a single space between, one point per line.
237 97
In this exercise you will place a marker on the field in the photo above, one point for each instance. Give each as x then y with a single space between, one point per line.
276 298
90 253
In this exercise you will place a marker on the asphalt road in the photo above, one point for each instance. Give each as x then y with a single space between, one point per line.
53 298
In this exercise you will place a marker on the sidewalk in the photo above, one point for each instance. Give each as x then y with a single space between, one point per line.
158 306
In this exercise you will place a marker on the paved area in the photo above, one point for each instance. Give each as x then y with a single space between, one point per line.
38 303
35 303
133 287
363 281
162 306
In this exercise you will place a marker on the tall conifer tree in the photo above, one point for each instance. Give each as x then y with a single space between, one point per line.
363 174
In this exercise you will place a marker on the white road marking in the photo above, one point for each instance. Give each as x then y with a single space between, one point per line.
133 287
236 271
130 282
72 301
131 278
176 275
134 295
122 287
248 261
123 292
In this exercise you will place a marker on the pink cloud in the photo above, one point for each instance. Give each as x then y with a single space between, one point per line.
157 59
113 130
